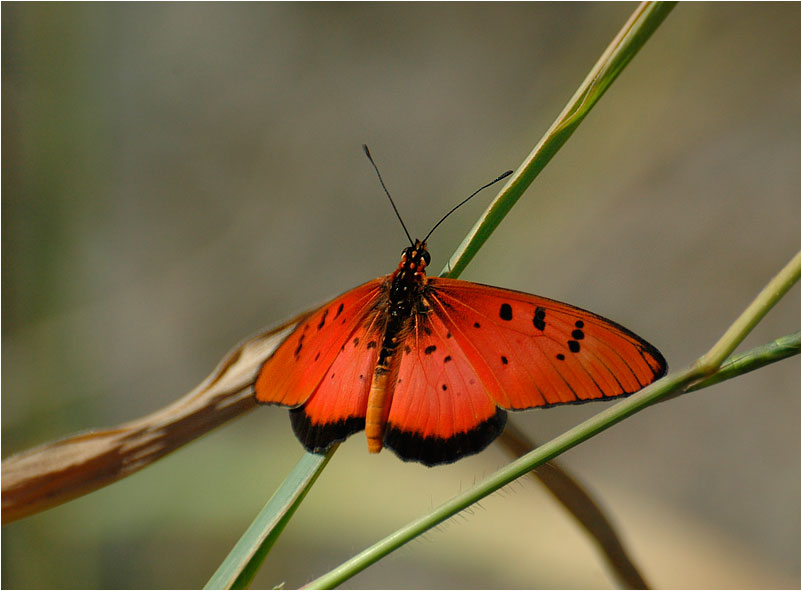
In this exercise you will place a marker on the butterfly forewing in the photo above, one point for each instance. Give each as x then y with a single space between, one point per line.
541 352
337 407
299 365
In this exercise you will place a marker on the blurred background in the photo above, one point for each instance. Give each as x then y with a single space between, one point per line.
177 177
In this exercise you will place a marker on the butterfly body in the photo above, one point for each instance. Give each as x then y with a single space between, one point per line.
428 366
404 302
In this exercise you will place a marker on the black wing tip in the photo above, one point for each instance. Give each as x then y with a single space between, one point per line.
434 451
662 364
318 438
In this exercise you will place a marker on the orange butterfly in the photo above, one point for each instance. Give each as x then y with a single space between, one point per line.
427 366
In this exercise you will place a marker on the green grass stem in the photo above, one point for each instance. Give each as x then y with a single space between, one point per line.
646 18
242 563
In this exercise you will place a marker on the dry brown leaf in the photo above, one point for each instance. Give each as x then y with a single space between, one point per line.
56 472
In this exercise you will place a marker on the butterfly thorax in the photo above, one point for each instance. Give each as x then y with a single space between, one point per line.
406 287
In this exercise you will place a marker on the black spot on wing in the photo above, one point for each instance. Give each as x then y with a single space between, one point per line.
300 345
539 319
573 346
323 319
430 349
505 313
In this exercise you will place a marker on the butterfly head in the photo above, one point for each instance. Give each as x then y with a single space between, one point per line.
415 258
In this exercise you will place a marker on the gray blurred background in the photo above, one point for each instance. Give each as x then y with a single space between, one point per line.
177 177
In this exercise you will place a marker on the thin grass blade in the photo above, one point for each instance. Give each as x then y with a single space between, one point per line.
646 18
242 563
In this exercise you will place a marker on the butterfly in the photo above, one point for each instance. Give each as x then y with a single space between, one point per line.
428 366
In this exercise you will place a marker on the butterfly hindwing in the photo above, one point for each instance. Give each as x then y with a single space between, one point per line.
540 352
441 409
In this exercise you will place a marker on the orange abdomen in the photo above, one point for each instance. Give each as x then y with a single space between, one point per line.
378 409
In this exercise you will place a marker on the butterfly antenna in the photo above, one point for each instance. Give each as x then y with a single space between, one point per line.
376 168
493 182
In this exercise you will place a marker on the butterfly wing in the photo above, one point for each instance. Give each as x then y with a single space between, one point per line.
475 349
441 409
542 352
324 367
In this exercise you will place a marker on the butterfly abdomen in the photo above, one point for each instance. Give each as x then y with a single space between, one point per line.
406 286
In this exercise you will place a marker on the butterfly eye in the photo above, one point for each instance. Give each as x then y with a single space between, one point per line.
427 258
